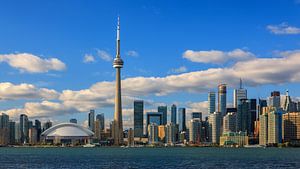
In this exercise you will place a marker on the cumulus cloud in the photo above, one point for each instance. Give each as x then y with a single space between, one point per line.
283 29
26 62
104 55
132 53
258 71
9 91
217 56
181 69
88 58
42 109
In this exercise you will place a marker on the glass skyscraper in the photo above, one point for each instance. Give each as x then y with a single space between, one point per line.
173 114
181 119
100 118
138 111
239 94
222 99
211 102
164 110
24 130
91 120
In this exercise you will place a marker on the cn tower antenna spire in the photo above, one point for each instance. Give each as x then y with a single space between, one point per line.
118 38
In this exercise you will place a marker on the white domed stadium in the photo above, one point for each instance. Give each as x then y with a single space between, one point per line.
67 133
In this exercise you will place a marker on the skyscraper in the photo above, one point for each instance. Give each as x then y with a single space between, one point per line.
118 123
171 131
181 119
91 120
222 99
214 127
164 110
195 131
274 99
291 123
138 111
211 102
239 94
153 133
4 129
12 128
173 114
24 130
38 126
101 119
229 122
197 116
153 118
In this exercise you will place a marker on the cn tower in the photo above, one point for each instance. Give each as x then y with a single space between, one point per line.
118 124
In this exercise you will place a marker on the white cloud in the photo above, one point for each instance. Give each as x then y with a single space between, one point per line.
9 91
26 62
104 55
283 29
132 53
258 71
88 58
181 69
42 110
218 57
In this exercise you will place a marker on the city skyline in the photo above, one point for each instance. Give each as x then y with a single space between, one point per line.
195 67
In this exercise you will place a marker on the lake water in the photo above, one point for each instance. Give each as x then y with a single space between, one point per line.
149 158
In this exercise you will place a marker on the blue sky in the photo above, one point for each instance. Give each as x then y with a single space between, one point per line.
155 36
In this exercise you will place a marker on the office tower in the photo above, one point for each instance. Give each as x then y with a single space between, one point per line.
101 119
181 119
239 94
4 129
274 99
118 64
195 127
130 137
298 106
246 116
47 125
17 133
215 127
38 126
222 99
288 104
32 136
252 116
73 121
291 127
138 111
197 116
24 130
229 122
275 126
155 118
97 132
261 104
161 133
242 116
270 126
211 102
171 132
12 128
164 110
91 120
263 128
153 133
205 130
173 114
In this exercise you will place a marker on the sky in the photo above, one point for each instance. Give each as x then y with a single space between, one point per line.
56 56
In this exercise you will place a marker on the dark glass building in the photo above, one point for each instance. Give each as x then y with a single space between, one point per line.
138 111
